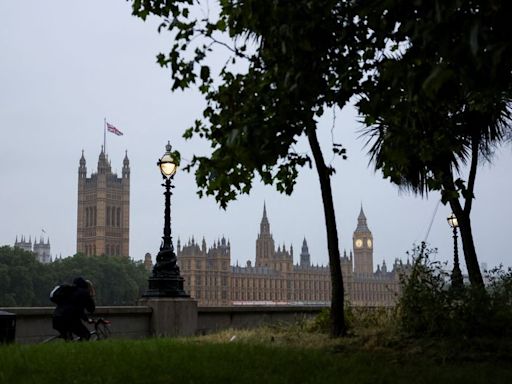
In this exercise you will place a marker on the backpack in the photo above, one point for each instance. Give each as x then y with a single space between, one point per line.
61 293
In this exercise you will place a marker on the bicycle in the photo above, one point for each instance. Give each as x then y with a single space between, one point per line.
101 331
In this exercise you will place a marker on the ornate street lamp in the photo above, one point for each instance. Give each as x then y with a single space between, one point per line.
165 280
456 276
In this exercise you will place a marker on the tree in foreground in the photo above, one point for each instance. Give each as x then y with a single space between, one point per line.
287 62
438 101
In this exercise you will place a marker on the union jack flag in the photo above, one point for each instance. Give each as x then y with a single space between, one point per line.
114 130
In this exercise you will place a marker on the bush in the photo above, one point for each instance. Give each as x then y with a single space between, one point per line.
356 319
428 305
322 322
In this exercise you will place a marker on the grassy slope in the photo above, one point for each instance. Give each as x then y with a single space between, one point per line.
203 360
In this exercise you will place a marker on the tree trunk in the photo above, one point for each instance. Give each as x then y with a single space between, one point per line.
466 234
338 326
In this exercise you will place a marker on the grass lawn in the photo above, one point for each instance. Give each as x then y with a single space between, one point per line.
261 356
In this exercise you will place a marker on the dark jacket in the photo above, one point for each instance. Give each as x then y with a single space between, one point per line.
75 305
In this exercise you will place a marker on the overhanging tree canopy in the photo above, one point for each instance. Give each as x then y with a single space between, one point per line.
300 57
440 98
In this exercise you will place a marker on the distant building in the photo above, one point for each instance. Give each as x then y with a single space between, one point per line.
41 249
103 218
275 279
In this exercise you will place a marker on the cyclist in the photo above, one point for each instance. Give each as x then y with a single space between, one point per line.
72 304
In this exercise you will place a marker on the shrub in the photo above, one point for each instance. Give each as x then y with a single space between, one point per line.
428 305
356 319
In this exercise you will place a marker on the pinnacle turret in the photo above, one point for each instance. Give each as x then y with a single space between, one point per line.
103 165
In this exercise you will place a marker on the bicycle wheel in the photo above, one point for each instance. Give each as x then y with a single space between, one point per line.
102 331
94 336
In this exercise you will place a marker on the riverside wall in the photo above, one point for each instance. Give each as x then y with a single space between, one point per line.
34 324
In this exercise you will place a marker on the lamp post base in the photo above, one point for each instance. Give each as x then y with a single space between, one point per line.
456 278
165 286
172 316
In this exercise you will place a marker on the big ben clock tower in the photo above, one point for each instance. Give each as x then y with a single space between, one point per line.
362 241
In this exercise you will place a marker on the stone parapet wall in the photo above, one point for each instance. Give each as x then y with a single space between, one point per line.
34 324
211 319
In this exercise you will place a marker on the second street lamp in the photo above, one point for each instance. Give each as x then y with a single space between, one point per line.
165 280
456 276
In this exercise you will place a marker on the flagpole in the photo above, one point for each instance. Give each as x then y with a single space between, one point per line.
105 135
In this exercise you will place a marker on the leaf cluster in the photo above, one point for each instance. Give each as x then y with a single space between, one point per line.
441 90
298 58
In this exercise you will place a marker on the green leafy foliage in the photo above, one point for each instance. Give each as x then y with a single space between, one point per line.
429 307
440 99
26 282
448 86
285 62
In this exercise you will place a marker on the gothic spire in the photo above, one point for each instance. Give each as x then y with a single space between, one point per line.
305 259
361 214
305 246
361 222
264 226
82 169
126 166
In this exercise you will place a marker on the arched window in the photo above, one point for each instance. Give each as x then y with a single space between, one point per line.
118 217
118 253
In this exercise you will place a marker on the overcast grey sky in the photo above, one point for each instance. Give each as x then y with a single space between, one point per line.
65 65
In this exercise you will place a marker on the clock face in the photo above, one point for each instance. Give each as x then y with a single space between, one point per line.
369 243
359 243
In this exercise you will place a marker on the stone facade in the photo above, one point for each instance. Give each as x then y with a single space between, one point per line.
275 279
41 249
103 218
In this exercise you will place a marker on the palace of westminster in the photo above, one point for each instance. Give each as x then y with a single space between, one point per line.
103 221
275 279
